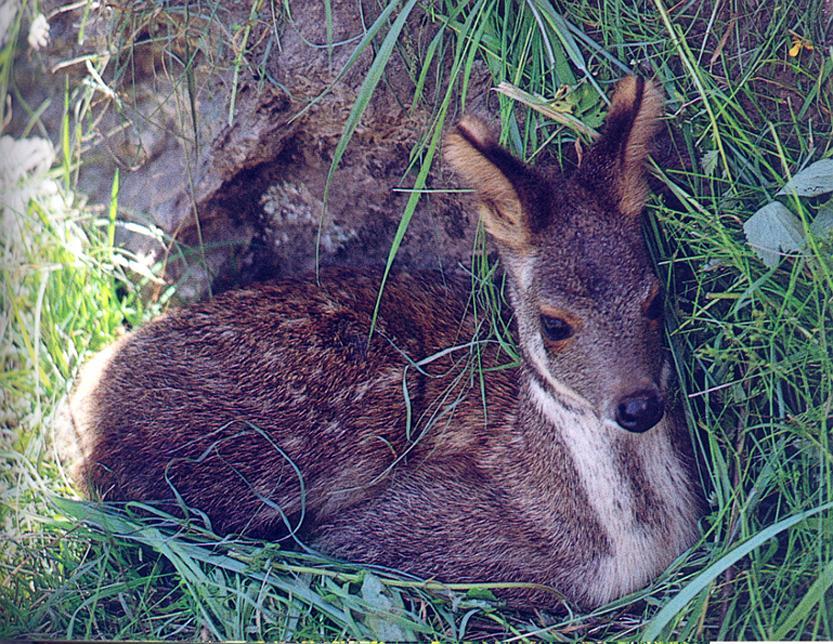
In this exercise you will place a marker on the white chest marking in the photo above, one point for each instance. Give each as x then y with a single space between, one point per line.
637 554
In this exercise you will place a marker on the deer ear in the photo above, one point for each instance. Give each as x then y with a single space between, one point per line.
510 192
615 164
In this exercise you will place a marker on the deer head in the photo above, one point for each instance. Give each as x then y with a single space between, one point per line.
587 303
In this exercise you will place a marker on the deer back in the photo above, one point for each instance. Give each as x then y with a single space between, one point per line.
269 402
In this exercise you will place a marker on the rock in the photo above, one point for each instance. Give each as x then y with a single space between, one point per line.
246 198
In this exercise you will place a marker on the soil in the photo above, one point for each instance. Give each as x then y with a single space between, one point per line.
244 200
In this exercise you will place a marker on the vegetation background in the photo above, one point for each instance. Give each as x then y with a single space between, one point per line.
748 265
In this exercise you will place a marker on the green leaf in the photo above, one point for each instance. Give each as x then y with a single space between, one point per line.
709 162
480 593
773 230
381 617
816 179
822 225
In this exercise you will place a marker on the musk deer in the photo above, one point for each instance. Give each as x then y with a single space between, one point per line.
267 409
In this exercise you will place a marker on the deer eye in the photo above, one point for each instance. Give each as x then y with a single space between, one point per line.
655 307
555 328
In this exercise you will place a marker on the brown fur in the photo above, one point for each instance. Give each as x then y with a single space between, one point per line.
267 409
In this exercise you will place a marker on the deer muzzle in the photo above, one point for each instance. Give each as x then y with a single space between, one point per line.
640 410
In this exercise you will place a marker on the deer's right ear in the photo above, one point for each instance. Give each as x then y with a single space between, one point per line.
509 190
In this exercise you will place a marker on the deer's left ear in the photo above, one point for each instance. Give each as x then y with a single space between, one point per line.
615 164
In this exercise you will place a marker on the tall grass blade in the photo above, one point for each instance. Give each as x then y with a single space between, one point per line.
702 580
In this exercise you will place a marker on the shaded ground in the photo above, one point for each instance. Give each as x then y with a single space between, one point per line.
252 192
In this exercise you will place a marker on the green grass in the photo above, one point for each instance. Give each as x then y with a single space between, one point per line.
752 344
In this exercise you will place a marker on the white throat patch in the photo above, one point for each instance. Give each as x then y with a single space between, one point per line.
638 554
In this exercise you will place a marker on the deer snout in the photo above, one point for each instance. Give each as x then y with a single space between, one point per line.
640 410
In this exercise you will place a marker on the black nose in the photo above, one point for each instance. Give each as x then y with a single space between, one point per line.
639 411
